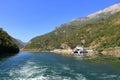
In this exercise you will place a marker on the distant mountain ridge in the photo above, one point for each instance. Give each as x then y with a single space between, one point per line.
96 16
20 43
99 30
110 10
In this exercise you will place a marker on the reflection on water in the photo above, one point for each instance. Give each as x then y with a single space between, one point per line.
5 56
47 66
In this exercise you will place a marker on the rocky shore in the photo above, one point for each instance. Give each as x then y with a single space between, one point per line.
67 52
113 52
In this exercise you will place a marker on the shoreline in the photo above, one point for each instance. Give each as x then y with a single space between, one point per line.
69 52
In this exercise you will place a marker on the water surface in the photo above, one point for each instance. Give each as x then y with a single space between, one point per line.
48 66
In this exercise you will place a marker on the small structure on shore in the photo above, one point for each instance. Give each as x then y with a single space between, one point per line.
79 51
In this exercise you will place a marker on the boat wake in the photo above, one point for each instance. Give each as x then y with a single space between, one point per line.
31 71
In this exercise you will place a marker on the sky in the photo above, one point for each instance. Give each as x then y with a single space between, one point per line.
26 19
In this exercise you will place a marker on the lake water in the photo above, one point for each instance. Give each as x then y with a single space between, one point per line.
49 66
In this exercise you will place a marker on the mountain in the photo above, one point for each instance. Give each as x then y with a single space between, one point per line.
99 30
19 43
6 43
106 12
102 14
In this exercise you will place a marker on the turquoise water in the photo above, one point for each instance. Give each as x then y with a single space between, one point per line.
48 66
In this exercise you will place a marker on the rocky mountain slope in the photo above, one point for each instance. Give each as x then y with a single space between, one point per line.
99 30
6 43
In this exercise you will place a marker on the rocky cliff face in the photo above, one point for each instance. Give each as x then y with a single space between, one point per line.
6 43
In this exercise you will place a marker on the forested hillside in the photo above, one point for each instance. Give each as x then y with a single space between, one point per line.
6 43
101 34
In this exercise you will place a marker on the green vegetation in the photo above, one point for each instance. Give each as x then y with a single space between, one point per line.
6 43
101 34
